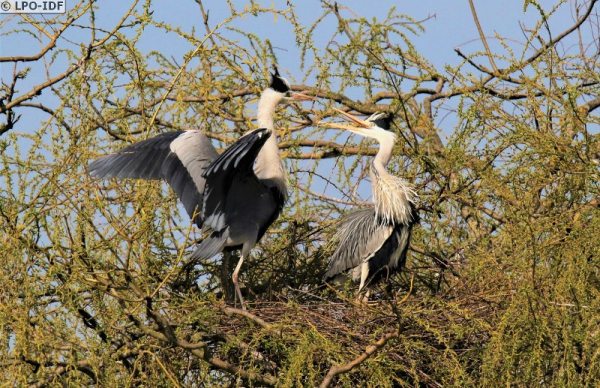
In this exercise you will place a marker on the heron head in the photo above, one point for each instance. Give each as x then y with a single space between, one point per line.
376 126
282 87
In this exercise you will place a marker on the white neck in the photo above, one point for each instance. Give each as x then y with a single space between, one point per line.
386 148
269 99
269 167
386 140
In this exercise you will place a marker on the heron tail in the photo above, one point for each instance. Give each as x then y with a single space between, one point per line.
211 245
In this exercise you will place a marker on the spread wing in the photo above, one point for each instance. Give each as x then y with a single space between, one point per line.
236 162
359 238
143 160
178 157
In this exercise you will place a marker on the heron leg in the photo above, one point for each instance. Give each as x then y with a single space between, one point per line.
235 281
364 274
226 283
246 247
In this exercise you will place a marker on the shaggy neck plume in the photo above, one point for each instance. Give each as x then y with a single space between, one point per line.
392 196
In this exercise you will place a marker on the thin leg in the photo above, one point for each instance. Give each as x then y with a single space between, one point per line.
248 245
366 298
225 277
364 274
235 281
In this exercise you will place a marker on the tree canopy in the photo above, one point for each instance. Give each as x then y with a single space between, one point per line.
502 282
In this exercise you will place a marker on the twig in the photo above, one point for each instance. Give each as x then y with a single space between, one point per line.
341 149
250 316
50 45
187 61
481 34
37 90
339 369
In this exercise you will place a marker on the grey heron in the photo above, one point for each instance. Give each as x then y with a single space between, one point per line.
234 196
373 242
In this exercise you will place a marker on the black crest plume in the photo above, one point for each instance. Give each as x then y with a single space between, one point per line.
384 122
278 83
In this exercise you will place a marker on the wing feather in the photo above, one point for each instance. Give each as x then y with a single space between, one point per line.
236 162
195 153
132 161
359 238
179 157
363 237
393 253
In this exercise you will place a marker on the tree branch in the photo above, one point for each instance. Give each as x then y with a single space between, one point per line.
37 90
482 35
339 369
552 42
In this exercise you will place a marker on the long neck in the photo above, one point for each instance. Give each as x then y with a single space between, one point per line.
384 155
269 167
392 196
379 165
266 109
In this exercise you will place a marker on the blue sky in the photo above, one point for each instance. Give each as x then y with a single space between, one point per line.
449 24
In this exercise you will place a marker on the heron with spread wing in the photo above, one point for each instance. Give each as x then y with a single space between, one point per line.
234 196
373 242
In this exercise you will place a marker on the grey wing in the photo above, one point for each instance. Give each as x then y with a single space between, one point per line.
191 154
392 255
359 238
178 157
143 160
236 162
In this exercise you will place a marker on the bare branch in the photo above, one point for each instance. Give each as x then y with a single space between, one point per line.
339 369
482 35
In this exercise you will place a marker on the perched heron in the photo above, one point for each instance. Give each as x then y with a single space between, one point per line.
373 242
235 196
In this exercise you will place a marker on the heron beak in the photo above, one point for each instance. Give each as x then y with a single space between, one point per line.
301 97
362 123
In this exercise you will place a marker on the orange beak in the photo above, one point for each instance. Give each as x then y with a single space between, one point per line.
362 123
302 97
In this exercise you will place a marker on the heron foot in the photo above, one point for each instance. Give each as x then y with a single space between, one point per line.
363 299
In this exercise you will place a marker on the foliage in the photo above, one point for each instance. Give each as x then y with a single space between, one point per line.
502 286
